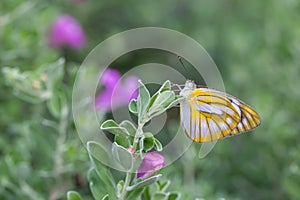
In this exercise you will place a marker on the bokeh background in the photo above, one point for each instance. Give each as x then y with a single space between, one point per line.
255 44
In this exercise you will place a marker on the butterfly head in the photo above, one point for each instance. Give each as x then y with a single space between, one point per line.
188 88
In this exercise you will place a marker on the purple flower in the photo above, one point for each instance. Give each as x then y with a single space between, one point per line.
151 163
115 93
66 31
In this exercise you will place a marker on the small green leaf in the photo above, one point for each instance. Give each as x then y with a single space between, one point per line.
96 153
129 127
163 186
73 195
112 127
152 100
174 196
160 196
157 144
97 186
165 97
174 102
142 101
134 194
123 156
166 86
133 107
120 187
144 183
146 194
57 103
122 140
164 101
106 197
148 141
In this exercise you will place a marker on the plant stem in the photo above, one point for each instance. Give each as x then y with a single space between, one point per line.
138 134
60 148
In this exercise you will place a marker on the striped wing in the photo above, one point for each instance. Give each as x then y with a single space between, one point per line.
208 115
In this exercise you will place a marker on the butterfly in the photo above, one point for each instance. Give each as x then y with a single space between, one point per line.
208 115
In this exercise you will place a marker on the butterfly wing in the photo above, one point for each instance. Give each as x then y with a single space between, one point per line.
208 115
250 119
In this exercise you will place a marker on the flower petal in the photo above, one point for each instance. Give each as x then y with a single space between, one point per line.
151 163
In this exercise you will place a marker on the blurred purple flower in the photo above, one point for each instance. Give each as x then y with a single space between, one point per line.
115 93
151 163
66 31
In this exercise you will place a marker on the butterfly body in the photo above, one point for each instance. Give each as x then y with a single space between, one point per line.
208 114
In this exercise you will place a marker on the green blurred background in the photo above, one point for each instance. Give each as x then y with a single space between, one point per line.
256 46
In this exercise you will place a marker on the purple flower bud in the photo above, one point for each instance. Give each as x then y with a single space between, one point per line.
115 93
151 163
66 31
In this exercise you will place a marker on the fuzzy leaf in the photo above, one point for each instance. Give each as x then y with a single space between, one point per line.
122 140
134 194
73 195
144 183
133 106
157 144
174 196
114 128
123 156
129 127
97 186
120 187
142 101
96 153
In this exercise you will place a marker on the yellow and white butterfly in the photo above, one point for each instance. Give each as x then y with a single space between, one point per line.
208 115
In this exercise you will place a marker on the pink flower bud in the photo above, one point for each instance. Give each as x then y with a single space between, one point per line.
151 163
131 150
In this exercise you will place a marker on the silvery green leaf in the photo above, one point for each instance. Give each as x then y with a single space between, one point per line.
120 187
148 141
122 140
112 127
73 195
142 101
165 97
144 183
160 196
165 87
123 156
174 102
157 144
174 196
106 197
134 194
96 153
133 106
164 185
163 102
97 186
57 103
129 127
